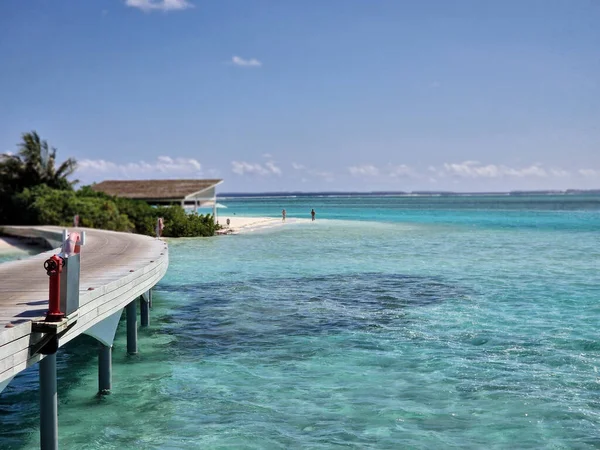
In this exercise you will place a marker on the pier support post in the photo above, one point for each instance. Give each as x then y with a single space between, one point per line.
132 328
144 312
104 369
48 404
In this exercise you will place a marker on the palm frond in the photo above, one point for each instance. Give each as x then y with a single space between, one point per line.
35 163
66 169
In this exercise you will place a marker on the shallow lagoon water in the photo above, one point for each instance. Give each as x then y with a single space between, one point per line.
431 327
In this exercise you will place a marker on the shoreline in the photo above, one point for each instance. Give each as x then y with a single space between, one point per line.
16 246
248 224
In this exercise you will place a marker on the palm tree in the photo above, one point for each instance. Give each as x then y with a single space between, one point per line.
35 164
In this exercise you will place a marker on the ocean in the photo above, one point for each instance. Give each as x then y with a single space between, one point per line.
389 322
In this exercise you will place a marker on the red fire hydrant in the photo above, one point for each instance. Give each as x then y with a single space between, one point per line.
53 268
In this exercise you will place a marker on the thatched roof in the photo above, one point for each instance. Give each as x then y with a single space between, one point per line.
160 190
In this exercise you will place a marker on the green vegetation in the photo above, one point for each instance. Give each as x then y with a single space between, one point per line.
34 192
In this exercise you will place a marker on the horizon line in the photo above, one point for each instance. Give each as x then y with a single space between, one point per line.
406 193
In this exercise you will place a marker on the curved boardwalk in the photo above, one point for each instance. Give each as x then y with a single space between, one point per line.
116 268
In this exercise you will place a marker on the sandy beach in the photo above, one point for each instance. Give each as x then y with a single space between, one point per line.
239 225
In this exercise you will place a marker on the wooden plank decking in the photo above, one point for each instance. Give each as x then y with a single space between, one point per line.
116 268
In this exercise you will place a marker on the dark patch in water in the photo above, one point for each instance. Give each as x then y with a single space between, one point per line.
479 341
246 315
406 290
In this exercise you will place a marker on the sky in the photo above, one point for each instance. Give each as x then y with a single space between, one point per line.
310 95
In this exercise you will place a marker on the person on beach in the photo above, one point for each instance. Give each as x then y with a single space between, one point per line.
228 222
283 215
312 214
160 225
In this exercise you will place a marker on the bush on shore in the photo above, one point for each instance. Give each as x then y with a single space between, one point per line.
43 205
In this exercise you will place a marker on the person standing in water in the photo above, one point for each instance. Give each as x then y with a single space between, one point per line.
283 214
312 214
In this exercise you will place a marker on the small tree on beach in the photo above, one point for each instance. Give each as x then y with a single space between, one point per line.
34 164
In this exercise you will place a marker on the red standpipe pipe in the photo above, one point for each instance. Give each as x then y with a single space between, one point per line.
53 267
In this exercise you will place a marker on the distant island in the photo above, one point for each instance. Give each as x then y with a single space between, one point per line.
404 194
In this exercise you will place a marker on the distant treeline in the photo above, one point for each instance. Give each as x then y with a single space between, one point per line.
406 194
33 191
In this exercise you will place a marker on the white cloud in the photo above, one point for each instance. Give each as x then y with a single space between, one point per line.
308 173
474 169
560 173
464 170
159 5
246 168
589 172
273 168
297 166
391 170
267 155
162 167
364 170
401 170
241 62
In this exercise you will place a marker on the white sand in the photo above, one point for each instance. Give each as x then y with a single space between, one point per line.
248 224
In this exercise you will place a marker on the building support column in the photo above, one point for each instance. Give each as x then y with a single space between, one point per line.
104 369
144 312
48 404
131 328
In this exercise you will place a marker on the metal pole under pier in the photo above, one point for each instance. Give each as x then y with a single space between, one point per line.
131 328
144 312
48 404
104 369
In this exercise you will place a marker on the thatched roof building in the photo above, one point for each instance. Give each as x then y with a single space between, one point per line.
161 192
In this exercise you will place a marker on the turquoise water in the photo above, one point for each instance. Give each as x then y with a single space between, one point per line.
9 256
12 255
387 323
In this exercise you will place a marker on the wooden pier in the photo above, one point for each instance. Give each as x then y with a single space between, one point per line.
117 269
